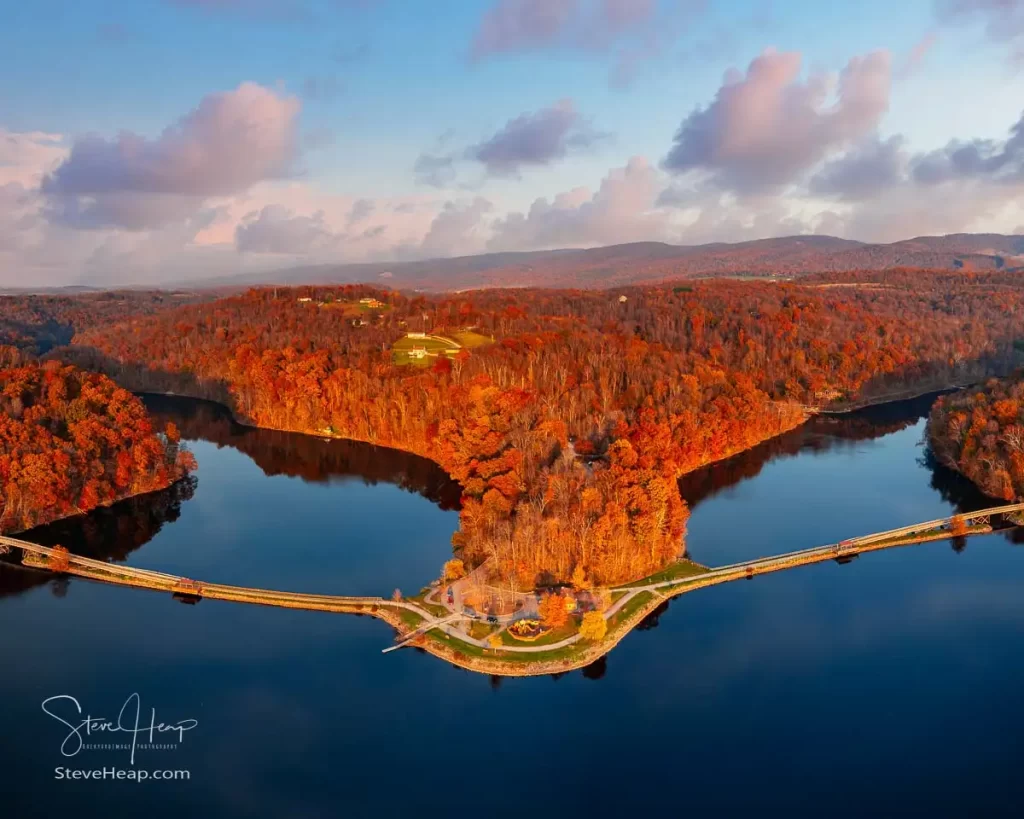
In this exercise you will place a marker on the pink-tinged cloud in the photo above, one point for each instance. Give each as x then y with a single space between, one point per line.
536 138
276 229
457 229
26 157
630 32
520 26
231 141
767 128
524 25
624 209
295 221
918 54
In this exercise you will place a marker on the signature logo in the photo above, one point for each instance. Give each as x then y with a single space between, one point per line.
67 710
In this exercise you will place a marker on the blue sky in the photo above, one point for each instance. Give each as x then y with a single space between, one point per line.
377 84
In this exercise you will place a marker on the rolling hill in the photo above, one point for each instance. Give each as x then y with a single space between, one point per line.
650 262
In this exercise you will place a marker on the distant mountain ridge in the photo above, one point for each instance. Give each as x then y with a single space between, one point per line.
651 262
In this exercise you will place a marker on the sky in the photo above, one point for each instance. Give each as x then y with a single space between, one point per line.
155 141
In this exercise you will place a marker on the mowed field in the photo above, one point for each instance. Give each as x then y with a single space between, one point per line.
435 346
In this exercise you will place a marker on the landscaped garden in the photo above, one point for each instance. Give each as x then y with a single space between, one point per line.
527 629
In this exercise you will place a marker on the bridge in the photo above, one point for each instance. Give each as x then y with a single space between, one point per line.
424 620
975 523
117 574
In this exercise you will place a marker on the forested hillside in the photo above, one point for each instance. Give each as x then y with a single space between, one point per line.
569 431
71 441
639 263
981 434
37 323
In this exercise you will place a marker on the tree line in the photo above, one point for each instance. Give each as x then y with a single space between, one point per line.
71 441
980 433
569 433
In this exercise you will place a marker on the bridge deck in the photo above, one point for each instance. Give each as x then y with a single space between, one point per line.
120 574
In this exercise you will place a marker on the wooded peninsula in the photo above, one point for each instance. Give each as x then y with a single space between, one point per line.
567 416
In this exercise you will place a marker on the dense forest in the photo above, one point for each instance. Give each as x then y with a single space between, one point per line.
981 434
36 323
568 433
71 441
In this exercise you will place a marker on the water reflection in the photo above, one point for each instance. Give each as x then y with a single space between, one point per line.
116 532
313 459
887 668
820 434
835 433
111 534
837 476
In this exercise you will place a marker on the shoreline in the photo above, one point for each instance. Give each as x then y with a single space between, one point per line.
894 398
106 505
806 415
428 631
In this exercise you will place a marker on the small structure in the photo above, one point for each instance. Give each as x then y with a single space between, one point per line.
418 352
187 591
369 302
305 299
623 299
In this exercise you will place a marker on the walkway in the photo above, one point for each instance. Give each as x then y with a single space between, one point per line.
44 557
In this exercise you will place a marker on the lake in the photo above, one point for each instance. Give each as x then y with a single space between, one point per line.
889 685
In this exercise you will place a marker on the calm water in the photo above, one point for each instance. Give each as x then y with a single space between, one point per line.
889 686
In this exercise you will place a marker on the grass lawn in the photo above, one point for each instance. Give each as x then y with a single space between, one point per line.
481 631
410 618
510 657
628 610
680 570
401 351
431 345
402 359
469 339
434 608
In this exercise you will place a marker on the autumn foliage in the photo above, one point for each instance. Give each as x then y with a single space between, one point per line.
569 434
594 626
59 559
71 441
553 612
981 434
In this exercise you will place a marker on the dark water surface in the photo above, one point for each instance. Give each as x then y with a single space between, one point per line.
889 686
